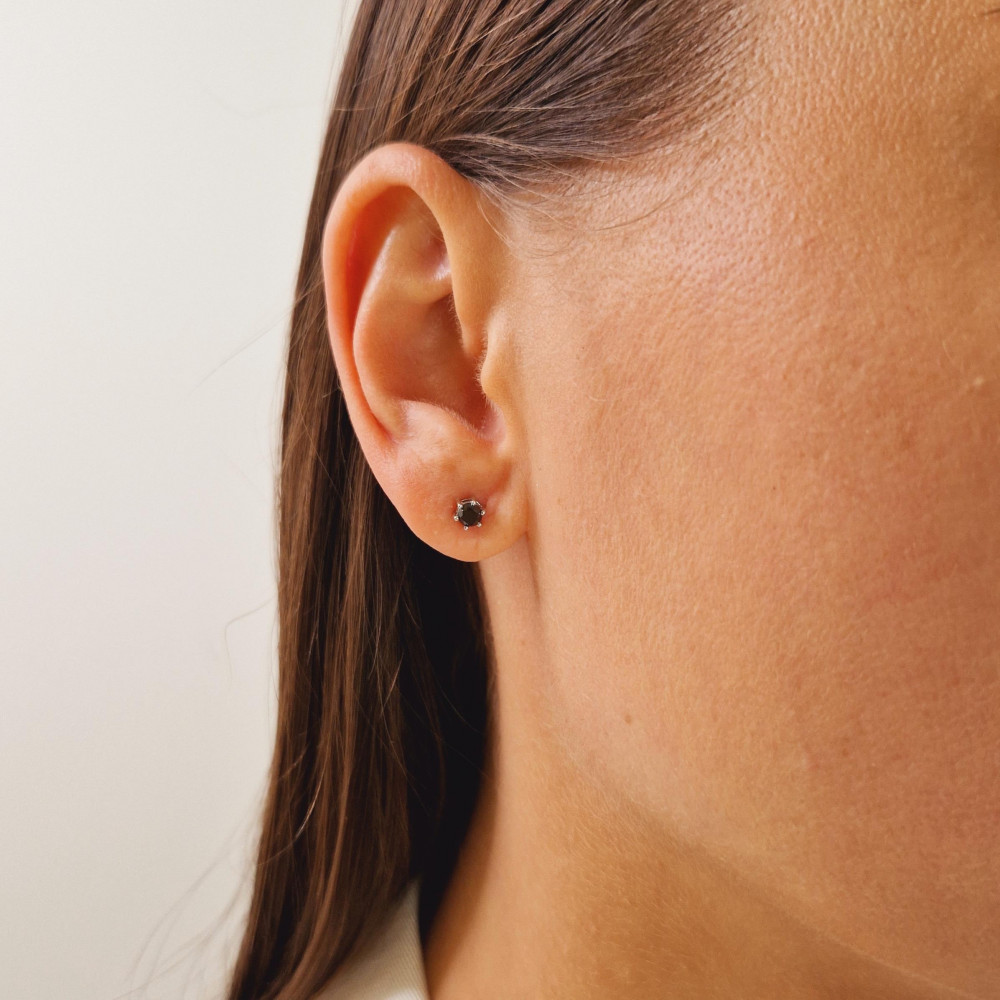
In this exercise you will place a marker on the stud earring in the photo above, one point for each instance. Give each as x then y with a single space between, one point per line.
469 513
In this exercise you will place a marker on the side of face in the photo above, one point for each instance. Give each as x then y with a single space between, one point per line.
764 435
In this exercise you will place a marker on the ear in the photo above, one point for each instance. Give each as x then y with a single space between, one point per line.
412 270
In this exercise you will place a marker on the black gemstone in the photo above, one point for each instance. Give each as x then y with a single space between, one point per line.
470 513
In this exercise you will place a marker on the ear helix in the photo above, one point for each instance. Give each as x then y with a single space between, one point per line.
469 513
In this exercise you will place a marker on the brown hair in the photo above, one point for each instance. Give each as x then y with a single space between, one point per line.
384 650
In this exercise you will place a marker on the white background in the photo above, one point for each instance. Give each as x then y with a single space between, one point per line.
156 162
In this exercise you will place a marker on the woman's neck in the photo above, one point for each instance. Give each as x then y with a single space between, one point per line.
561 891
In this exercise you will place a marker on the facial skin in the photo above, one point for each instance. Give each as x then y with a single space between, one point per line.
740 459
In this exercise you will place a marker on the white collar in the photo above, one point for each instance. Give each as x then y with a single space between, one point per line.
392 966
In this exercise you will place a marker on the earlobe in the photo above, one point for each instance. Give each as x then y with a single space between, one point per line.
411 318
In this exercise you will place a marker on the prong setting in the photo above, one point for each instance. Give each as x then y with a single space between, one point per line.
469 513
